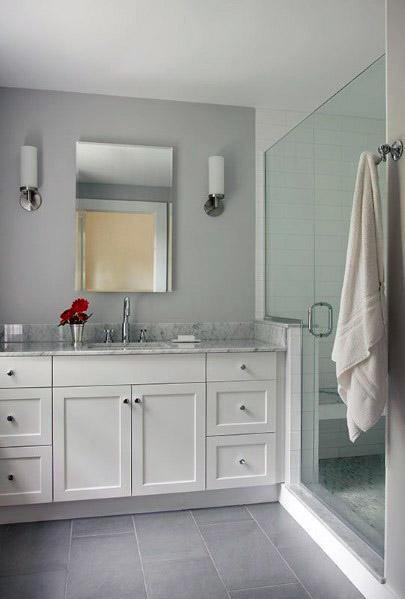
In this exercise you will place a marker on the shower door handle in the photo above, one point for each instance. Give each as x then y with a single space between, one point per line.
312 326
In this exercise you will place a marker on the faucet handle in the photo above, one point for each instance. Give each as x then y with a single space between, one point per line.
108 335
143 336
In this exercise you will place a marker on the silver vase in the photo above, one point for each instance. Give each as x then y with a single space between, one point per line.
77 331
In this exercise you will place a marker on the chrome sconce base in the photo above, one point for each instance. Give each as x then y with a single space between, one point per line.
214 206
30 198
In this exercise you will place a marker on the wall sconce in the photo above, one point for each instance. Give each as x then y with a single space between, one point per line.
214 206
30 198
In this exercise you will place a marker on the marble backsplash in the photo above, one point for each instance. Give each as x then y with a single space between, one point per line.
94 332
265 331
271 332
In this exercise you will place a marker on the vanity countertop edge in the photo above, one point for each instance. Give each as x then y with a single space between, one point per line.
164 347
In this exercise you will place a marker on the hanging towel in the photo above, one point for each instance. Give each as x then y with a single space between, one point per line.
360 348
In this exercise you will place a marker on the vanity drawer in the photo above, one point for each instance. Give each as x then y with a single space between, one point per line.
71 371
241 460
25 417
25 475
241 407
247 366
25 372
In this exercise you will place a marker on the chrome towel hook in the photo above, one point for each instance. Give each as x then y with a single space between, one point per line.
395 150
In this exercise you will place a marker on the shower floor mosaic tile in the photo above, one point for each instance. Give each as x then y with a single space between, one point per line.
357 487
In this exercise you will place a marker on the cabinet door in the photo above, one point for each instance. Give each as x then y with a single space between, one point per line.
168 438
92 442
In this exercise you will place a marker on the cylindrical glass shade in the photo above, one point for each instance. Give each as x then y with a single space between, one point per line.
29 167
216 175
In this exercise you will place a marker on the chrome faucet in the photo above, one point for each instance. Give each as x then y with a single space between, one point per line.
125 321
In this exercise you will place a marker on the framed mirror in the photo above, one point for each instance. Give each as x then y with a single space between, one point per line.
123 218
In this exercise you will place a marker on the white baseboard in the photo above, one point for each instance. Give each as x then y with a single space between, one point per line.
350 565
136 505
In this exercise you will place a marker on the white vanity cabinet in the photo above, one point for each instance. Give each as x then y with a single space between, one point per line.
92 442
92 426
168 438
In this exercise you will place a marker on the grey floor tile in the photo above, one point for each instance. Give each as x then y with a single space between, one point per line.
168 535
43 585
34 547
105 567
183 579
216 515
282 529
286 591
244 557
85 527
320 576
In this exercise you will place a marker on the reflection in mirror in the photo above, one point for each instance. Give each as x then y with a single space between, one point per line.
123 217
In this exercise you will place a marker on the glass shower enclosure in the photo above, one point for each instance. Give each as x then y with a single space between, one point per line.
310 176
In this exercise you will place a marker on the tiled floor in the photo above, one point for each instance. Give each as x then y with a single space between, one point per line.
253 552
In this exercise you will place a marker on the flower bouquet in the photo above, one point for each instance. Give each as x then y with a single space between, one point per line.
76 316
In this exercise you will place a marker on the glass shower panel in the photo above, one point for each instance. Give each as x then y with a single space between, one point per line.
310 177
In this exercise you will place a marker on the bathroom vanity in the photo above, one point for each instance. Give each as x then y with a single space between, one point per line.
103 422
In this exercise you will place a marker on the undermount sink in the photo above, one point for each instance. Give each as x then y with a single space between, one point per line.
131 345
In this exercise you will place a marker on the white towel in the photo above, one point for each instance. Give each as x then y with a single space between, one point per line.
360 348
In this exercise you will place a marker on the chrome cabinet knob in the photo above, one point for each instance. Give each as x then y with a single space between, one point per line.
242 461
243 408
10 418
243 366
126 400
10 477
137 400
10 372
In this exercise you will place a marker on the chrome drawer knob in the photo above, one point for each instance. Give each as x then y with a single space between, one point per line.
243 408
137 400
10 477
10 372
10 418
126 400
242 461
243 366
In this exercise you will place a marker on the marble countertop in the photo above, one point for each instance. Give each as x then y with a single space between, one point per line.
154 347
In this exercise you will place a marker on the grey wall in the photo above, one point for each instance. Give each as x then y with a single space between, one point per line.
395 455
213 257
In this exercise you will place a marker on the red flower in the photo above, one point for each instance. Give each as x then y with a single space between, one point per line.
76 314
80 305
64 317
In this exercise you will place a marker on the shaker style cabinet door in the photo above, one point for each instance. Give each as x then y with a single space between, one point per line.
168 438
92 442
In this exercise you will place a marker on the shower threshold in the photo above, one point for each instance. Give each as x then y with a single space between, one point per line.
350 539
